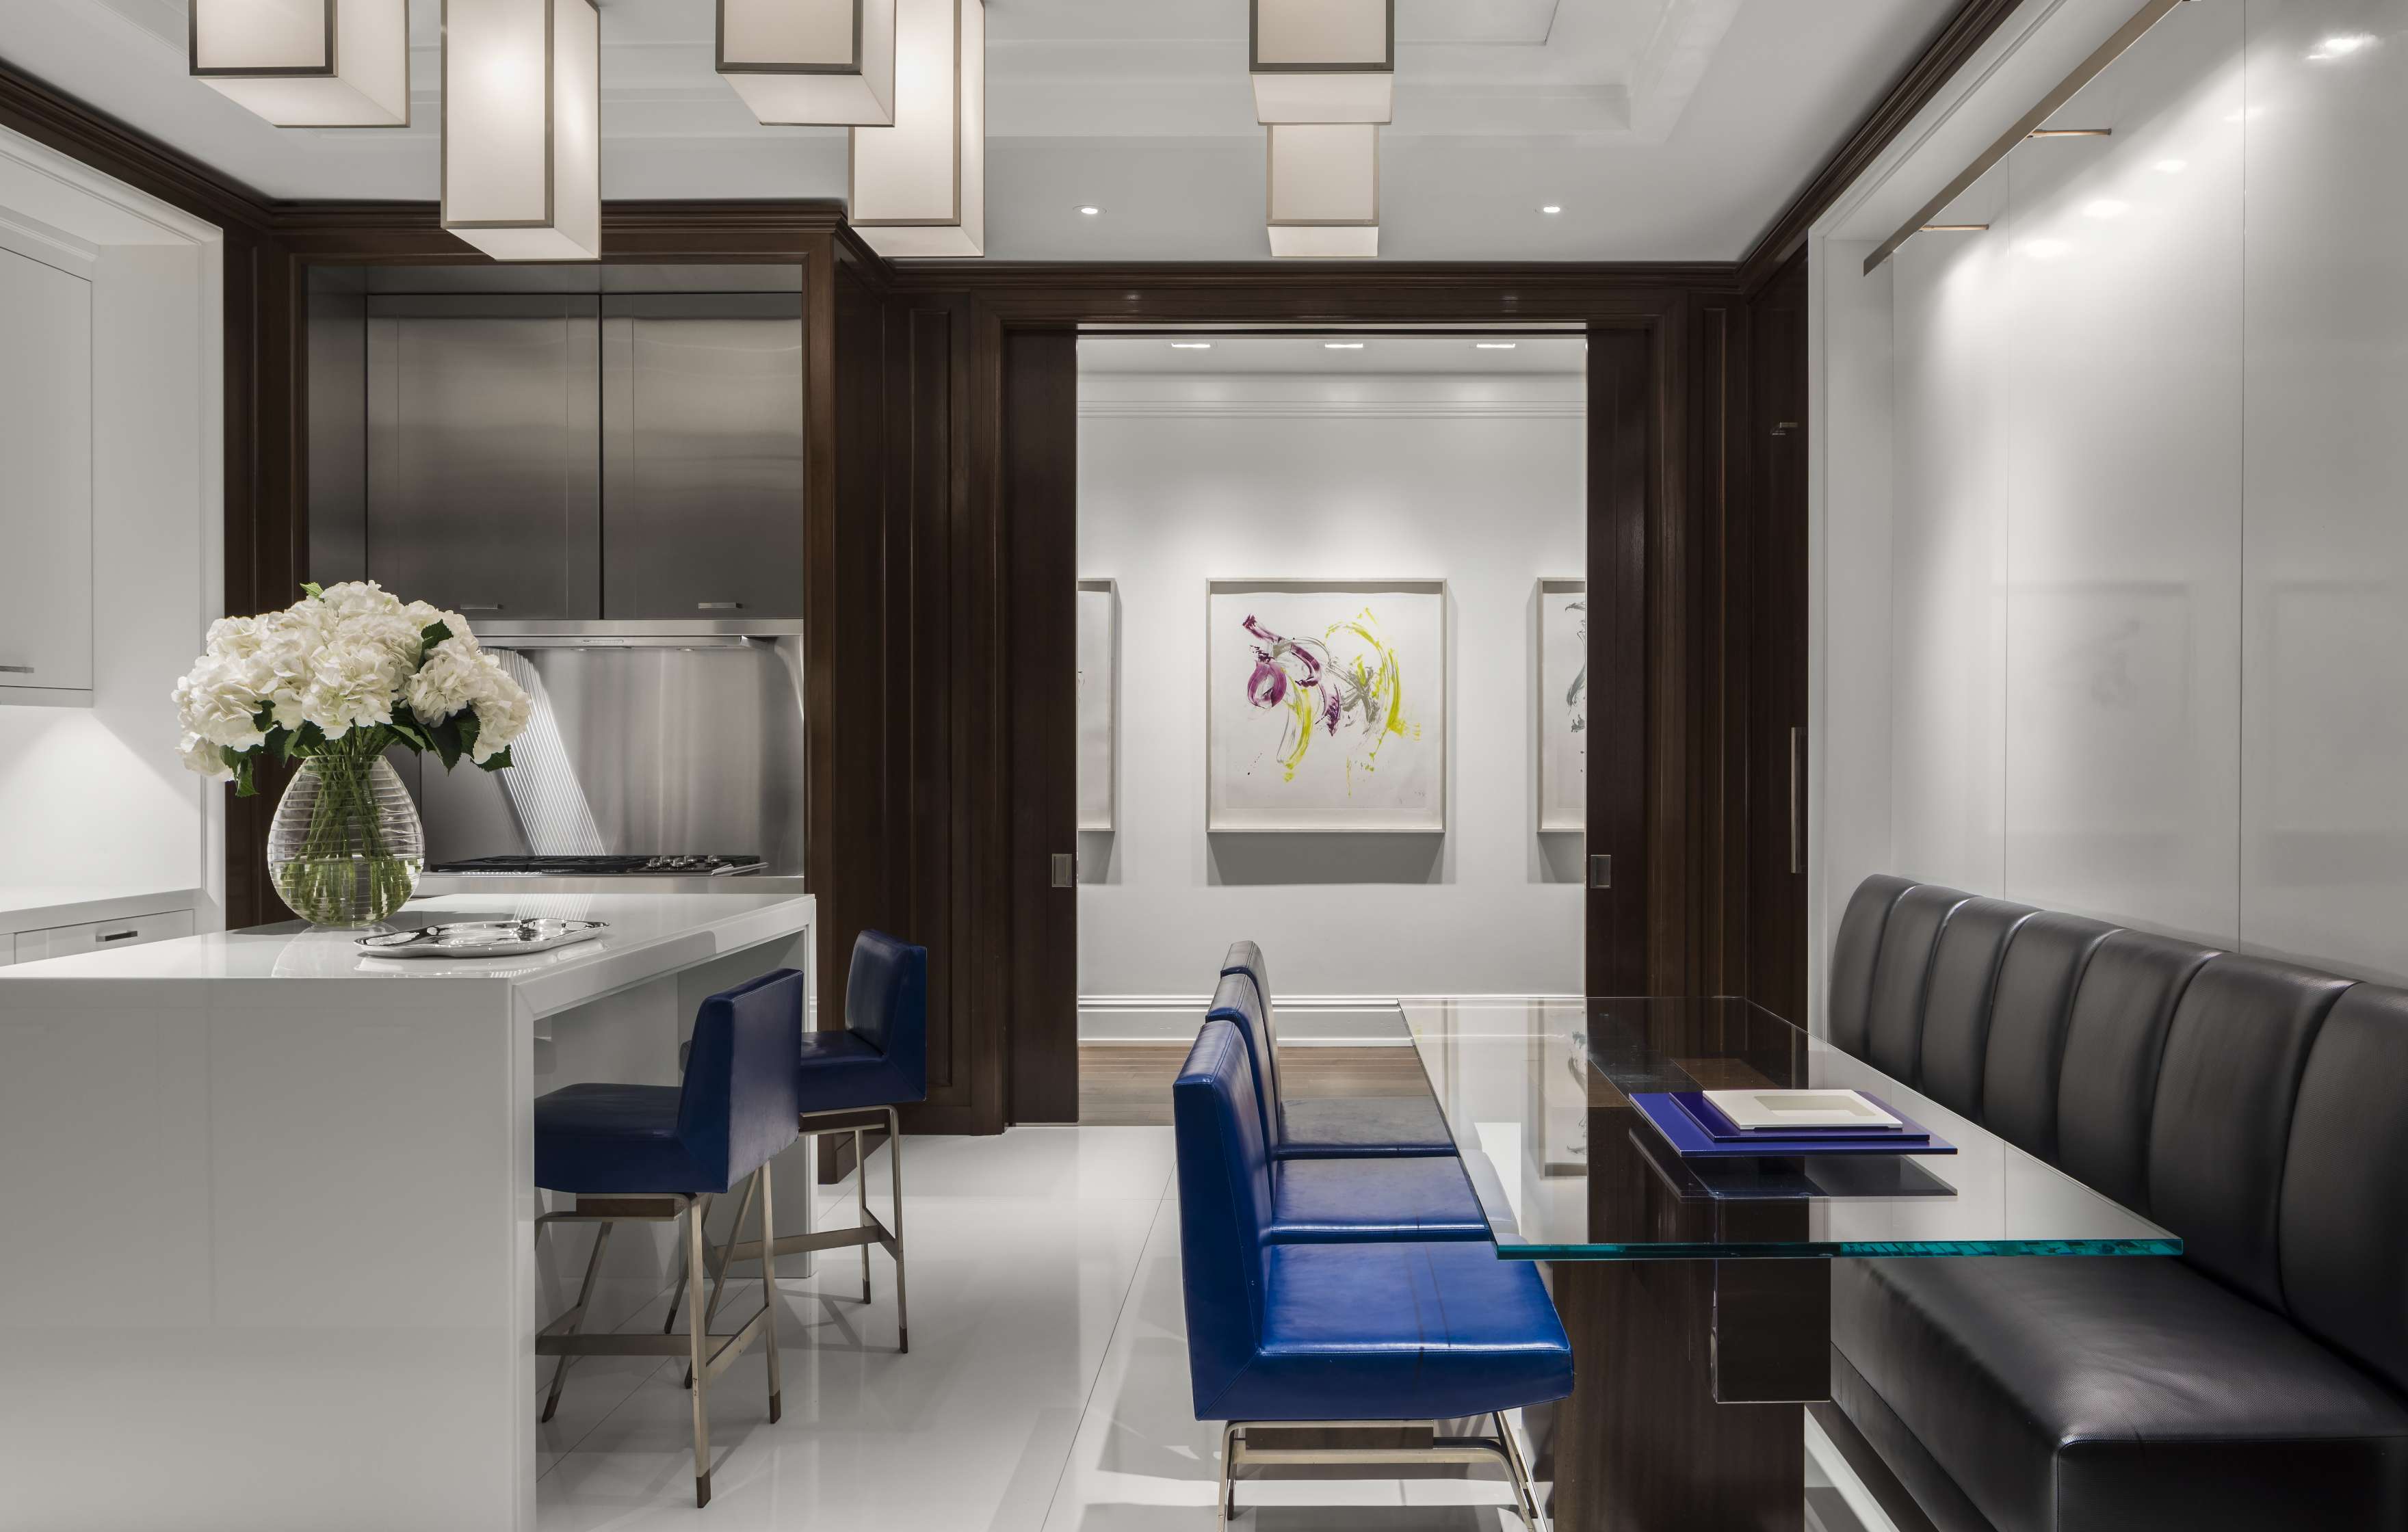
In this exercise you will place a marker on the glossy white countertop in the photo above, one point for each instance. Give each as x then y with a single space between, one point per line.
649 935
37 907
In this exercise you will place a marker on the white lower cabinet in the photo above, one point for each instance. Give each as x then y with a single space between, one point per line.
102 935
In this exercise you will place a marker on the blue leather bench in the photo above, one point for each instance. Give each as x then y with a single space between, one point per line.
1322 1199
1349 1127
1405 1330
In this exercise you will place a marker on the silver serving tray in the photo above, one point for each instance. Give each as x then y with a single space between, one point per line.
481 939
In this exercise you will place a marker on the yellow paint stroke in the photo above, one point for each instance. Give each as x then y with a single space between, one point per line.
1369 684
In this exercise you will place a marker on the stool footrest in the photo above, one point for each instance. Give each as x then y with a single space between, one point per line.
871 1233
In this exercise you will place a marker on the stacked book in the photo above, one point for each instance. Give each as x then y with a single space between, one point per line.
1737 1124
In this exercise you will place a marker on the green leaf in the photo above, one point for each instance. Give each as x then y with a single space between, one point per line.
239 762
431 635
279 742
497 760
470 727
444 736
314 591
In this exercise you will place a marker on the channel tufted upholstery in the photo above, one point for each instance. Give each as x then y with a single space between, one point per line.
1329 1127
1401 1330
2258 1109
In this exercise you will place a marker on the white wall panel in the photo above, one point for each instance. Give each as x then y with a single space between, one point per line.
2324 850
1477 480
2121 418
2182 354
1948 555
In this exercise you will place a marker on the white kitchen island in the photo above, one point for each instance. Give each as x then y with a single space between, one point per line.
271 1259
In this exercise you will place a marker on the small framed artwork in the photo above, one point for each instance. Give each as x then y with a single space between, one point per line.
1325 705
1563 704
1097 651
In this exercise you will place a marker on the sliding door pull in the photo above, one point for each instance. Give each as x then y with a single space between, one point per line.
1065 870
1797 807
1600 872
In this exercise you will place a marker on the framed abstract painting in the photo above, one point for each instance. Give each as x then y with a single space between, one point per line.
1096 649
1325 705
1563 704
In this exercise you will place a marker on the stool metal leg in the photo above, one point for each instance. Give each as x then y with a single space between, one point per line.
697 1344
895 1175
861 1188
677 1293
716 1260
1225 1500
577 1317
769 1293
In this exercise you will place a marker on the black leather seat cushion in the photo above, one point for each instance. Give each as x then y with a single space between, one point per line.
2113 1394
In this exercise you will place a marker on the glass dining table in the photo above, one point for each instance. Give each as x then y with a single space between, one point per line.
1697 1291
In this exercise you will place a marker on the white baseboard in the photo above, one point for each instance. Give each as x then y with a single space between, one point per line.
1311 1020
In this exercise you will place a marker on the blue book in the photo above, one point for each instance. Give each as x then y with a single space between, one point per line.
1689 1139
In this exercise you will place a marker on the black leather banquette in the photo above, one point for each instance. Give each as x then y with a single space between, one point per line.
2257 1109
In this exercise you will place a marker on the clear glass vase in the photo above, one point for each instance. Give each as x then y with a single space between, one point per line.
344 847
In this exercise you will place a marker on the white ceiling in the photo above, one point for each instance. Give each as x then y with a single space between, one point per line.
1665 129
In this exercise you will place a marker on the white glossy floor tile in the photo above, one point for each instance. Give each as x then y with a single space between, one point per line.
1046 1390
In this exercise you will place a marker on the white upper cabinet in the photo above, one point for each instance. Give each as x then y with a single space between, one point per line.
44 482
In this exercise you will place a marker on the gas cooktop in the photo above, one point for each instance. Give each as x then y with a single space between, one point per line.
701 866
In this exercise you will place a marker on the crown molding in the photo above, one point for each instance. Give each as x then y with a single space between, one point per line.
1966 31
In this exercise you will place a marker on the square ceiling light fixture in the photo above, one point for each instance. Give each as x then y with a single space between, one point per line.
521 144
811 61
919 186
306 64
1323 61
1325 189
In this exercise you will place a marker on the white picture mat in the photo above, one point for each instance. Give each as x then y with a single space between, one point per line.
1341 783
1097 647
1562 666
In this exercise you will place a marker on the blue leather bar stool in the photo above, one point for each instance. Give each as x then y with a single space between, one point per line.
1348 1128
657 1154
1371 1336
852 1081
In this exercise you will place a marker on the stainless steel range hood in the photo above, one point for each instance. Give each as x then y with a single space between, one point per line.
641 742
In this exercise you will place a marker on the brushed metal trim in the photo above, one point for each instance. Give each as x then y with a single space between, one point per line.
718 52
2083 73
853 158
550 219
306 71
1255 65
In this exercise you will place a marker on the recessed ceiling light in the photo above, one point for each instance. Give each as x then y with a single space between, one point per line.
2173 167
1090 212
2046 249
1191 345
1493 345
2106 208
1551 210
1341 345
2342 46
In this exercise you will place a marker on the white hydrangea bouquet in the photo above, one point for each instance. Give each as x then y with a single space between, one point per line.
333 682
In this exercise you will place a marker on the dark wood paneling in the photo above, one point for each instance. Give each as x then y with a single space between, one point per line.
1625 489
1040 507
1768 906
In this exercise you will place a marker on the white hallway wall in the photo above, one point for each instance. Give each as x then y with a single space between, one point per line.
1477 480
2115 591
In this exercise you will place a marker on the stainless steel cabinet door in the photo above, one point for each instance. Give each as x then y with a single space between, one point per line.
484 453
702 424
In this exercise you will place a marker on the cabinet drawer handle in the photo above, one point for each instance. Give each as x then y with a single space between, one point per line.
16 669
470 605
719 606
120 935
